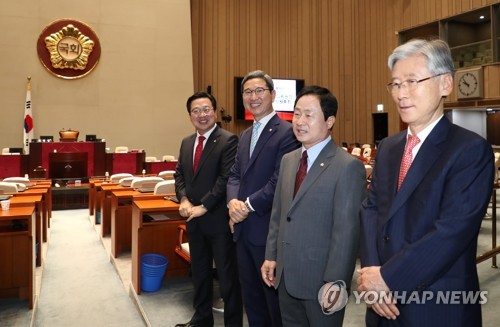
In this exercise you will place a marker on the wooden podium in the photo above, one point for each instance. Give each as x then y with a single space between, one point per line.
41 154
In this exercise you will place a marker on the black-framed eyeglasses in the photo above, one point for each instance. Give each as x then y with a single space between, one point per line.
258 92
409 84
198 111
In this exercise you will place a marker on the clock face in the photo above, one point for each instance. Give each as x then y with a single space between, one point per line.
468 84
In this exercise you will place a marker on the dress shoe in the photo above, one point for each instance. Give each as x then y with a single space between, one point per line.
207 322
218 305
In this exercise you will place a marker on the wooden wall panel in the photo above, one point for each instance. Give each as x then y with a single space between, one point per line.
339 44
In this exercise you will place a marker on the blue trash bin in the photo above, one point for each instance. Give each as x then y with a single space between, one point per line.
153 267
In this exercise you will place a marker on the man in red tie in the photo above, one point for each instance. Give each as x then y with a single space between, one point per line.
429 194
314 229
201 174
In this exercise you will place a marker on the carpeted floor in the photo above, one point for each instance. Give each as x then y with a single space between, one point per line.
79 285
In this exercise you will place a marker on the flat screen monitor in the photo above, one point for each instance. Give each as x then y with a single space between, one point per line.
90 138
16 150
47 138
286 92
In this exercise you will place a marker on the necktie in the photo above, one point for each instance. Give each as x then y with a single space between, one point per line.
255 136
407 158
301 173
198 151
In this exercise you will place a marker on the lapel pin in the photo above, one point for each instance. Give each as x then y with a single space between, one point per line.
322 164
270 130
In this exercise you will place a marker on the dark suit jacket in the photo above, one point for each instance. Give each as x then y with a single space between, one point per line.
425 235
207 185
256 177
314 237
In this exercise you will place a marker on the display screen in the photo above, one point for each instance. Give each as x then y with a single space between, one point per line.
286 92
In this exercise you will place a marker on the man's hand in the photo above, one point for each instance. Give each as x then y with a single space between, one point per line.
267 271
185 207
370 279
231 226
197 211
237 211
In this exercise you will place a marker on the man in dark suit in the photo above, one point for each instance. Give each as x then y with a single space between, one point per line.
430 191
314 230
200 183
250 192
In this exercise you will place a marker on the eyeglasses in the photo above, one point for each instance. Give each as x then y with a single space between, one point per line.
198 111
258 92
408 85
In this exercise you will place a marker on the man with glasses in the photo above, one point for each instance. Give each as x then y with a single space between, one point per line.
250 192
201 174
430 191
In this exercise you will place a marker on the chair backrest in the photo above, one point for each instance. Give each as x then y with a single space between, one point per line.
146 182
366 145
151 159
17 180
6 151
165 187
367 152
356 152
127 181
166 174
121 149
8 187
115 178
168 158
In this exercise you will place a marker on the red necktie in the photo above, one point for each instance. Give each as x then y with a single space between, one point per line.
407 158
301 173
198 151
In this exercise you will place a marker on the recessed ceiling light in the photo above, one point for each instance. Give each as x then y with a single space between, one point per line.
481 17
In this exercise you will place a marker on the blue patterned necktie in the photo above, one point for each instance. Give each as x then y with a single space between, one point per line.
255 136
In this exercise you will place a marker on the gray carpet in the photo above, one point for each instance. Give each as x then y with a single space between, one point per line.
79 285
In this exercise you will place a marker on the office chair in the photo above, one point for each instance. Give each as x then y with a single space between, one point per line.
17 180
356 152
151 159
115 178
127 181
146 183
121 149
367 152
6 151
167 174
168 158
8 187
165 187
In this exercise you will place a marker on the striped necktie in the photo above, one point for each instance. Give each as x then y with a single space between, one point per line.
255 136
407 158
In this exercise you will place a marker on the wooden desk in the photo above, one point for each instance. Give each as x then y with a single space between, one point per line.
106 206
158 237
121 218
156 167
94 183
36 200
44 192
17 262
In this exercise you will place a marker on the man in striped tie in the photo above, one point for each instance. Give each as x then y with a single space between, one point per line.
430 190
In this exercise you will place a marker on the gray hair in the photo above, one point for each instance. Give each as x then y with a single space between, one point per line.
437 51
259 74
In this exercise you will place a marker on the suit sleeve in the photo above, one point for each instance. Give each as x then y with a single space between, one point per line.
180 181
262 200
466 195
344 244
233 182
218 191
274 223
368 243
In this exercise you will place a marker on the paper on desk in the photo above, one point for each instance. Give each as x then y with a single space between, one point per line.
159 217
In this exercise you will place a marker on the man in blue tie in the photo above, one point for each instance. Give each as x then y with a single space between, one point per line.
250 192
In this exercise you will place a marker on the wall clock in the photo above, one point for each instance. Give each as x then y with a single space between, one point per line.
469 83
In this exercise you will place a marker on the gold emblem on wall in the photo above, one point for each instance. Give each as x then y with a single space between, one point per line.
68 49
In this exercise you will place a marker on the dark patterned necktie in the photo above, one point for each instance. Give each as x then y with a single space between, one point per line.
301 173
198 151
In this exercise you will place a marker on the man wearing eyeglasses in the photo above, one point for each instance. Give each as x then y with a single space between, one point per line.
430 191
200 183
250 192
